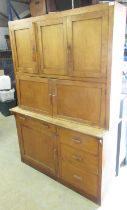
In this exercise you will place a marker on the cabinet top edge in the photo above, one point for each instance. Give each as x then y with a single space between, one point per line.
90 8
93 131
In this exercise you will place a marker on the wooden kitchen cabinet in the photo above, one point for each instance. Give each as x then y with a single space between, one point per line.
38 143
24 48
68 76
52 42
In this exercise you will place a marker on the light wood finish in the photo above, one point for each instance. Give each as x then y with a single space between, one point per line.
68 111
80 101
52 44
38 146
39 124
88 54
79 141
93 57
24 48
57 98
35 94
99 133
80 159
79 178
86 164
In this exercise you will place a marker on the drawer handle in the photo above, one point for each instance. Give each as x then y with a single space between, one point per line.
77 158
22 118
77 177
45 125
55 154
77 141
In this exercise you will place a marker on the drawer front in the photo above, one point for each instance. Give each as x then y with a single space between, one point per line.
79 141
80 158
36 124
82 180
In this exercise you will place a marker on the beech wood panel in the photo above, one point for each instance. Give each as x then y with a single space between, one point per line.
80 159
38 147
88 130
84 102
78 141
52 43
35 94
79 178
88 54
24 48
39 124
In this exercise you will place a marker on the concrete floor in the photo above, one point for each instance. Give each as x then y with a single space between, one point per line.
23 188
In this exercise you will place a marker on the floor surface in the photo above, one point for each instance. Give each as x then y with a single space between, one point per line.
24 188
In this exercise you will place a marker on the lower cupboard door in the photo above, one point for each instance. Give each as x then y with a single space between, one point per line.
39 148
84 181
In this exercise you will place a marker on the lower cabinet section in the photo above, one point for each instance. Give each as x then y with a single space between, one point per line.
75 159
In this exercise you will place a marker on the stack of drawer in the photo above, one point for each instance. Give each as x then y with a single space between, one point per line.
79 161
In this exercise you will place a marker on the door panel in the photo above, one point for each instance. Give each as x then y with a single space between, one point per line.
39 147
24 46
88 54
34 93
53 46
80 101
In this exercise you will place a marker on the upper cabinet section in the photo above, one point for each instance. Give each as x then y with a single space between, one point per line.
87 44
52 43
24 48
72 43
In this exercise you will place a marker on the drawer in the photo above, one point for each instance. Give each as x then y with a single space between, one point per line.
79 141
37 124
80 158
84 181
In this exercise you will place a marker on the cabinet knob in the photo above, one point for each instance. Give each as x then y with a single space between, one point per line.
22 118
34 53
45 124
55 154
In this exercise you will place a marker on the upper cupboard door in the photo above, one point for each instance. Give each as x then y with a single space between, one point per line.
87 44
53 46
35 94
80 101
24 47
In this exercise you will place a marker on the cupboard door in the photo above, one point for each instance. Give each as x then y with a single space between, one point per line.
24 47
38 147
88 44
80 101
53 46
35 94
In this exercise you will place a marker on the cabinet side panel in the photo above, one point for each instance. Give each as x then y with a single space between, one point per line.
117 22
